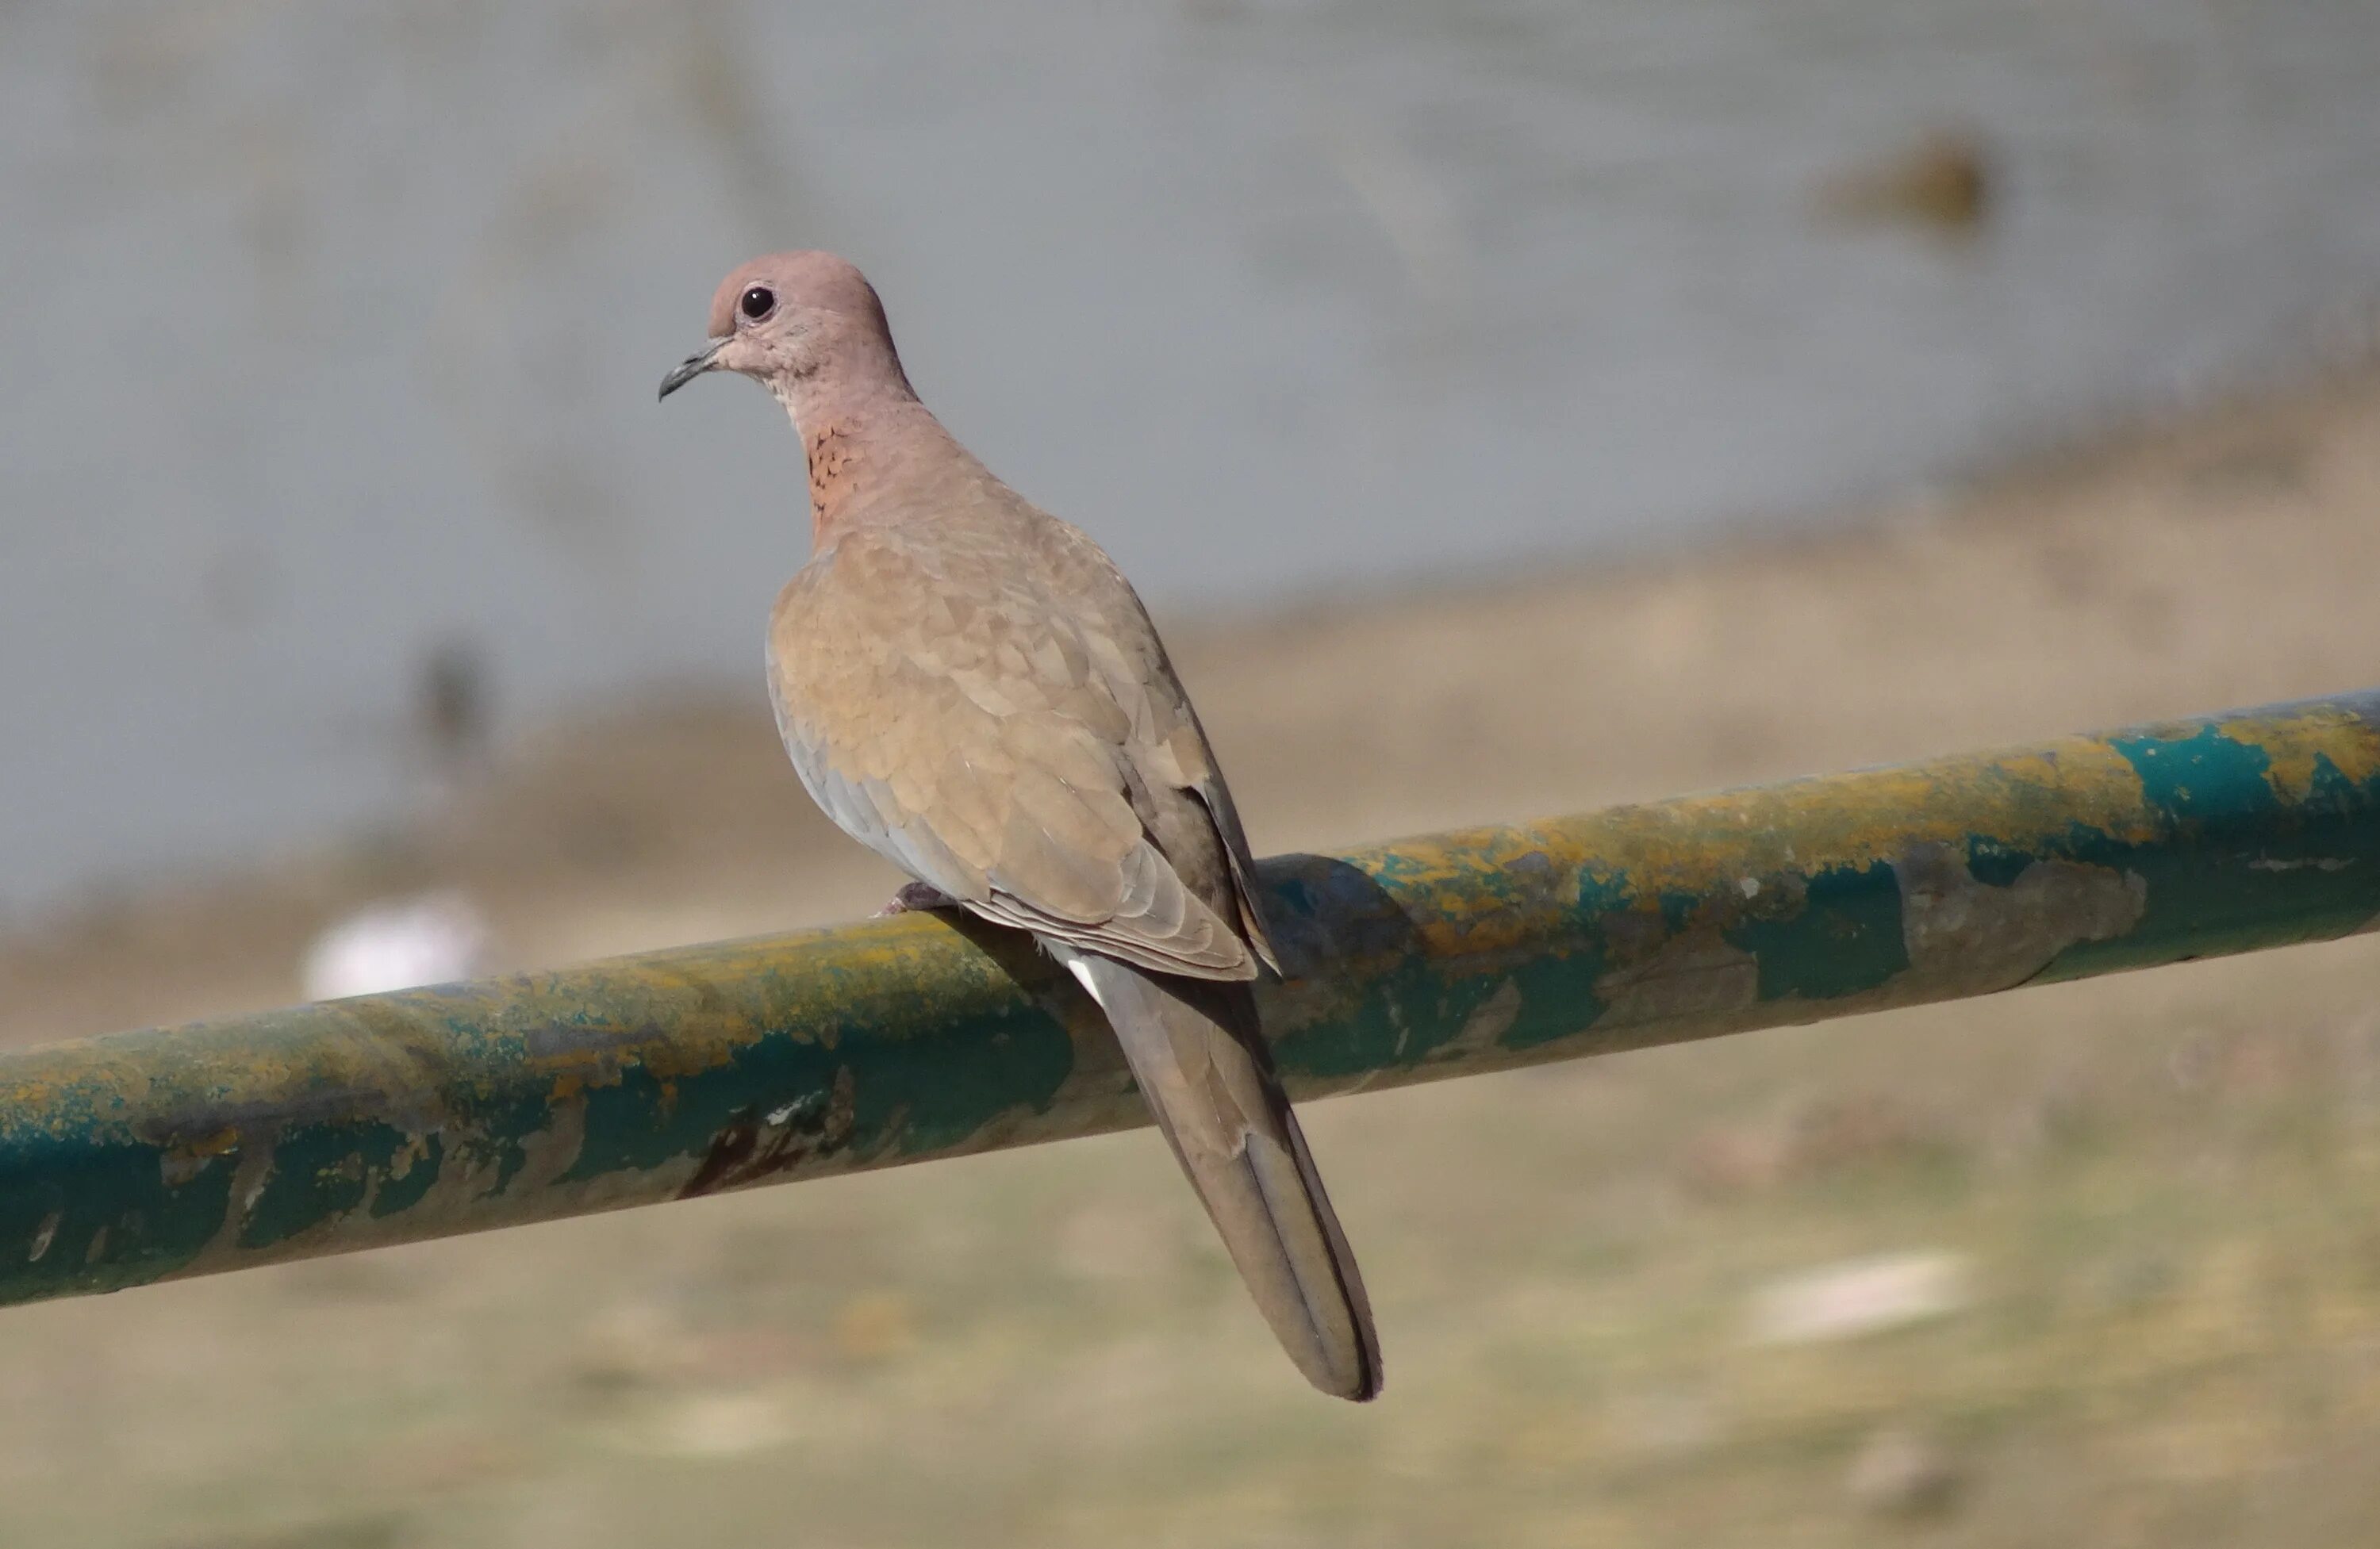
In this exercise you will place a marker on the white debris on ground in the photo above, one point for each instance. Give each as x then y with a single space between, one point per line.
1856 1297
398 944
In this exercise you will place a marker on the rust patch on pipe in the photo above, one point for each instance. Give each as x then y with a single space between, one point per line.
1968 935
1695 977
755 1148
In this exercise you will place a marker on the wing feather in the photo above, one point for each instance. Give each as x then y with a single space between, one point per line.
1023 747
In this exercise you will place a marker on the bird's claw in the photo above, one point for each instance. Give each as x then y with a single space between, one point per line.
916 896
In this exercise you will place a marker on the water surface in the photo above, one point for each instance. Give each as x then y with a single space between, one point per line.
332 328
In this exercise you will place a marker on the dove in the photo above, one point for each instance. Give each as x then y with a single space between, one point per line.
970 688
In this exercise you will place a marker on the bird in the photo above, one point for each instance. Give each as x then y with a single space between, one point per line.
970 688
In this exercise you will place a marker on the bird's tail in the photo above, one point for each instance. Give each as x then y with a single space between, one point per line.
1195 1048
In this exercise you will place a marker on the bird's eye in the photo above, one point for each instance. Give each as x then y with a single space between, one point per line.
759 302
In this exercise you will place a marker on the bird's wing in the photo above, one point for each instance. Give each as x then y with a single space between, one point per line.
989 708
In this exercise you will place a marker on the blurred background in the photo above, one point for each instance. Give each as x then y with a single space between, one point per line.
1508 408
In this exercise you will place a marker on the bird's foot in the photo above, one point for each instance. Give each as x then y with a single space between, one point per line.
916 896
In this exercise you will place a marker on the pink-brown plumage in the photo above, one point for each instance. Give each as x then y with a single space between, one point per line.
970 688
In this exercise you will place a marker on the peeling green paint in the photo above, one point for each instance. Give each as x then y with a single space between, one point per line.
1841 936
320 1129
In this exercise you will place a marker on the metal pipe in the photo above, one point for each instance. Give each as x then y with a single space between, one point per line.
143 1157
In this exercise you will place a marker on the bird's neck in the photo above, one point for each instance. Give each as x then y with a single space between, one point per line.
836 451
863 450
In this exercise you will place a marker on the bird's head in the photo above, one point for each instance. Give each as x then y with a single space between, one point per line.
789 319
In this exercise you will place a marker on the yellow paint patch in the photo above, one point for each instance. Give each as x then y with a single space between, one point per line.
2298 743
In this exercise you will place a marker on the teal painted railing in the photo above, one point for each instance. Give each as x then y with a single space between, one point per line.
144 1155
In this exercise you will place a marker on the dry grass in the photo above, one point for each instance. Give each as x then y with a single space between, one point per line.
2158 1188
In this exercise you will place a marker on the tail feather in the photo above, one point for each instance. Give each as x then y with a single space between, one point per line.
1196 1050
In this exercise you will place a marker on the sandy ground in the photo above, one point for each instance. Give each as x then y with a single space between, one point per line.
2141 1209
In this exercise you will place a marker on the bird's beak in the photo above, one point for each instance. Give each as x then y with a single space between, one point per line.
692 367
